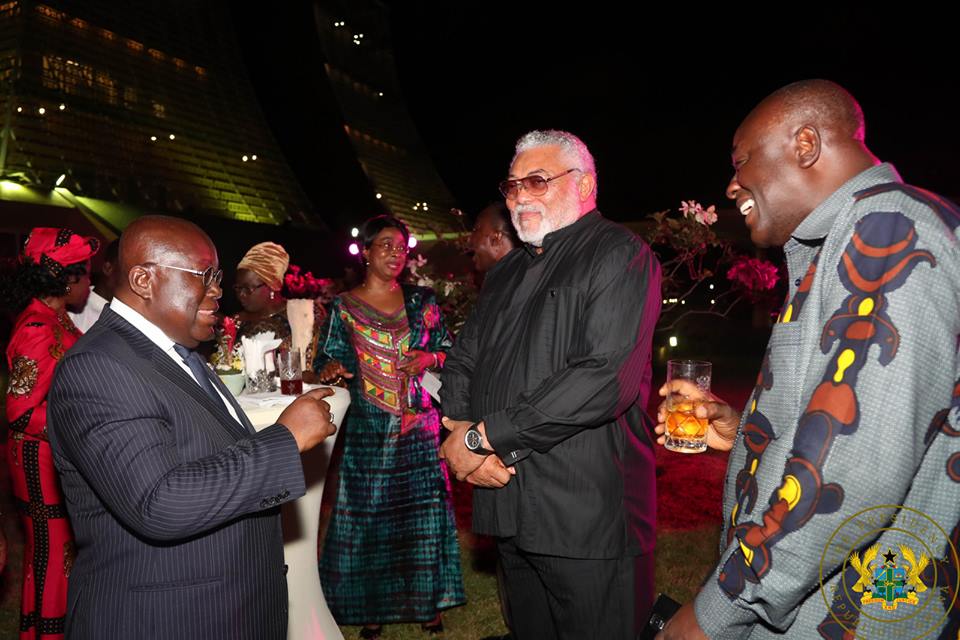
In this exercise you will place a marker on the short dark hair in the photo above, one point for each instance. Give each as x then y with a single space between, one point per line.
375 225
112 252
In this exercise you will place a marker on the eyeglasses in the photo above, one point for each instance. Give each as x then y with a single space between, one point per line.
388 247
208 276
246 291
535 185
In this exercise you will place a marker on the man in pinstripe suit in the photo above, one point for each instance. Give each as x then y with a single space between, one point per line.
173 497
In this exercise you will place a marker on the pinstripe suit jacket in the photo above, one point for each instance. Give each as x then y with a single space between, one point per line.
174 504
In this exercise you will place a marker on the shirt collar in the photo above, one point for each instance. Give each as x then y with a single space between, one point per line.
818 223
97 299
555 236
154 333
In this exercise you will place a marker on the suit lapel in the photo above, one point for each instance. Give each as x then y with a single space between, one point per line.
147 353
172 372
226 393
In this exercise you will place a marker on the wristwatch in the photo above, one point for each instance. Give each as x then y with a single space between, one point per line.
473 439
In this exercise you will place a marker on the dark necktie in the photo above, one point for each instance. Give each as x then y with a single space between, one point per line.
199 369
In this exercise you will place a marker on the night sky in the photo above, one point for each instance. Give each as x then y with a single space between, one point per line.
657 99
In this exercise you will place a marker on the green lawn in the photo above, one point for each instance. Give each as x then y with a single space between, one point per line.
683 558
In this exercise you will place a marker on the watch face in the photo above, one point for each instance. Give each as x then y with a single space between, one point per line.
473 439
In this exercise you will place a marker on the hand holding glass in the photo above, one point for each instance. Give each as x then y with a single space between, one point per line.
685 432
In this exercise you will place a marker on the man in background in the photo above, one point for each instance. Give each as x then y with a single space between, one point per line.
102 290
493 236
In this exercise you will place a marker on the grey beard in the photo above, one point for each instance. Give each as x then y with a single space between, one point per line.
564 218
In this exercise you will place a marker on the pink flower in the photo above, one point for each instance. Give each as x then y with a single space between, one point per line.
707 216
693 209
414 264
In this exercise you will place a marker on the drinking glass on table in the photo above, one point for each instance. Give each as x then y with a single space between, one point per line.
291 374
685 432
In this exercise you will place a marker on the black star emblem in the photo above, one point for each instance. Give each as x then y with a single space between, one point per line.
889 557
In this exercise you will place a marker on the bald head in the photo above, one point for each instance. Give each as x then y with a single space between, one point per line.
796 148
822 104
156 239
162 260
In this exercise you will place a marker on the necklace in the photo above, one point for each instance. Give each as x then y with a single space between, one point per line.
393 286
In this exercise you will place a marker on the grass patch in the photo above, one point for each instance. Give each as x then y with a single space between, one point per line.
682 561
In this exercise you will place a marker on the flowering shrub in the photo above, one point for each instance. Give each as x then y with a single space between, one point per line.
753 277
691 255
456 294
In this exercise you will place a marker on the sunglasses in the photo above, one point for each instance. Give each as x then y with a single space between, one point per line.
534 185
208 276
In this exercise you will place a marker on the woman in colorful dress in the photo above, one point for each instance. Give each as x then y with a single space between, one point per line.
391 552
52 276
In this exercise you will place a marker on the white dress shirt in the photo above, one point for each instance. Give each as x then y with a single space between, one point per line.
91 311
159 338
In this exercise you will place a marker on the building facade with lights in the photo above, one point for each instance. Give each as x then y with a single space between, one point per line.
114 109
360 69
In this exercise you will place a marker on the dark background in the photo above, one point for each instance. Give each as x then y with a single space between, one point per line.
656 97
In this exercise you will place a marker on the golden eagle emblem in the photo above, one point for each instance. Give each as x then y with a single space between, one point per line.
864 567
915 568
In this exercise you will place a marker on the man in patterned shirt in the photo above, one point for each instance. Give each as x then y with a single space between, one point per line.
845 465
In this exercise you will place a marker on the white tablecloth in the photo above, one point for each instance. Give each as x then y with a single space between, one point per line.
309 617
